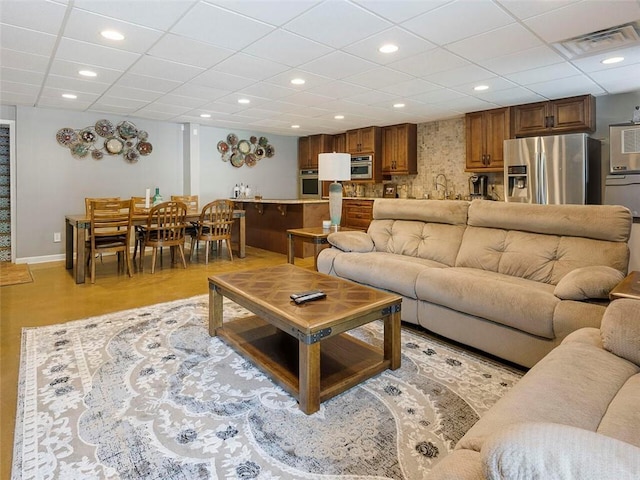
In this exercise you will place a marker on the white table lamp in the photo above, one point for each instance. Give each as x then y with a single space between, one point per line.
334 167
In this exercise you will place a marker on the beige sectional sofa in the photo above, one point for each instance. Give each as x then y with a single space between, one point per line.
574 415
510 279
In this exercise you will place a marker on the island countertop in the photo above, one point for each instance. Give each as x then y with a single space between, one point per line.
284 201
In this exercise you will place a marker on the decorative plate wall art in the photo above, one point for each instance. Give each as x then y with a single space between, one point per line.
106 138
244 152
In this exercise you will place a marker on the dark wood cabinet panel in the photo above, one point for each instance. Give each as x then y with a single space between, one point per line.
357 213
400 149
309 148
565 115
364 140
486 132
340 143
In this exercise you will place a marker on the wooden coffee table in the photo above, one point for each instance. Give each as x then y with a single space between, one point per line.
304 348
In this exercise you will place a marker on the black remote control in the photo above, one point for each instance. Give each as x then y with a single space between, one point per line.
308 298
293 296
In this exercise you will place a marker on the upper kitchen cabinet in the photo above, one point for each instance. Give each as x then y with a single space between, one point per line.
486 132
565 115
340 143
309 148
400 149
364 140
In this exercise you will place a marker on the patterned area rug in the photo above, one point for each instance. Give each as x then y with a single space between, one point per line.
147 393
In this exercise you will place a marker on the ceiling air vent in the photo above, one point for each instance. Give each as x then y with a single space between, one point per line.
612 38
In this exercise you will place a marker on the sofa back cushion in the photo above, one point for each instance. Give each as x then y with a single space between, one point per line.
429 229
544 242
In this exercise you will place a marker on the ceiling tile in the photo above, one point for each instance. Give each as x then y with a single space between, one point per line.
24 40
199 91
415 86
251 67
523 9
523 60
511 96
594 63
583 17
338 65
73 50
400 10
165 69
39 15
495 84
566 87
23 60
73 84
408 45
180 100
56 93
437 96
19 88
21 76
121 101
622 79
373 97
430 62
501 41
189 51
469 18
143 96
220 27
274 12
320 24
287 48
460 76
143 82
537 75
68 68
338 89
222 81
378 77
57 102
12 98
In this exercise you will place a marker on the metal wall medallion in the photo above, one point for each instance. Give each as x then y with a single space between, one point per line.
244 152
104 138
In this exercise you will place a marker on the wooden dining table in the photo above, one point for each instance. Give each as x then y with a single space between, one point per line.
76 226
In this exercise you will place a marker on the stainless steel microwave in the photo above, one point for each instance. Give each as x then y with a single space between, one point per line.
362 167
308 184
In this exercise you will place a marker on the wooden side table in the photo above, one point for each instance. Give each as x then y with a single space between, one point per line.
627 288
316 235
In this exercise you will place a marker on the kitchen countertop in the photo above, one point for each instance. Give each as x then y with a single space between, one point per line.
284 201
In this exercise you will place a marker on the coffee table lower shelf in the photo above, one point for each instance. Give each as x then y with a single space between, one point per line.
345 361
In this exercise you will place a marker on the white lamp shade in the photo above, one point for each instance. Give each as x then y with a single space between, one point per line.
334 166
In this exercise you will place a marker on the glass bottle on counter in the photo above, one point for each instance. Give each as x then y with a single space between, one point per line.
157 198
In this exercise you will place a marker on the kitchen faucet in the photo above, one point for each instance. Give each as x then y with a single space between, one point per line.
441 184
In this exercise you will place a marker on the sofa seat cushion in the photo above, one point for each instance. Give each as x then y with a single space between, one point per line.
622 420
396 273
574 384
513 301
549 450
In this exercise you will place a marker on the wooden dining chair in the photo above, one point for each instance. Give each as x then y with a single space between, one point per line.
110 225
139 208
193 208
214 225
165 228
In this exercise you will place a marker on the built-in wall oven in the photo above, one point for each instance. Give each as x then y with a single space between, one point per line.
309 185
361 167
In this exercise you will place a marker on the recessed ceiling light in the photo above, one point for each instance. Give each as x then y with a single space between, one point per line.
339 117
610 60
295 126
87 73
298 81
70 96
481 88
205 115
112 35
388 48
244 100
398 105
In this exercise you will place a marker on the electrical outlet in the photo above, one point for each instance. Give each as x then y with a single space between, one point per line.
56 237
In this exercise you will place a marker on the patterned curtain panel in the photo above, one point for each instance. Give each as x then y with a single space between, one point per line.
5 196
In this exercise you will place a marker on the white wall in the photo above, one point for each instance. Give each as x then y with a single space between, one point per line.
50 183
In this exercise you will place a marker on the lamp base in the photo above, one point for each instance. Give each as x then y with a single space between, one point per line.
335 203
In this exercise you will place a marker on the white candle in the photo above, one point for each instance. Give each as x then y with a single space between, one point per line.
146 198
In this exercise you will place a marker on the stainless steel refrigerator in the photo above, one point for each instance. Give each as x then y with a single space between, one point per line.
554 169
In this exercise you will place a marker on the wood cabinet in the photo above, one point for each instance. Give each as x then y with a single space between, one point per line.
309 148
340 143
486 132
357 213
565 115
364 140
400 149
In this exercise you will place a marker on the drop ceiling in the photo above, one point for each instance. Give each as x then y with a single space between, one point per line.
184 58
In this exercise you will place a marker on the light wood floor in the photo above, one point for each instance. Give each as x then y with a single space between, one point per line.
53 297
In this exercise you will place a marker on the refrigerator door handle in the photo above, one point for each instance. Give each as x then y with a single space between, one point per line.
543 180
537 178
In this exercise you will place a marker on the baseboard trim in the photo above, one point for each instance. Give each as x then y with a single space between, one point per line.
42 259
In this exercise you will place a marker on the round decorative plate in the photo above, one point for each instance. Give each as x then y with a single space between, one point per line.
131 155
226 156
237 160
97 154
113 145
244 146
104 128
260 152
66 136
144 148
79 150
250 160
87 136
253 139
232 139
142 135
263 141
223 147
270 151
127 129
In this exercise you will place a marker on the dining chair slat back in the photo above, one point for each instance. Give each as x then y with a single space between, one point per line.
139 208
214 225
165 228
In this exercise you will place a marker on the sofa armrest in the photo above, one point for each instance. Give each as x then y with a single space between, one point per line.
555 451
620 329
588 282
351 241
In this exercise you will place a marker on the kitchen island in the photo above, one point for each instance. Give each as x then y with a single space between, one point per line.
267 222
